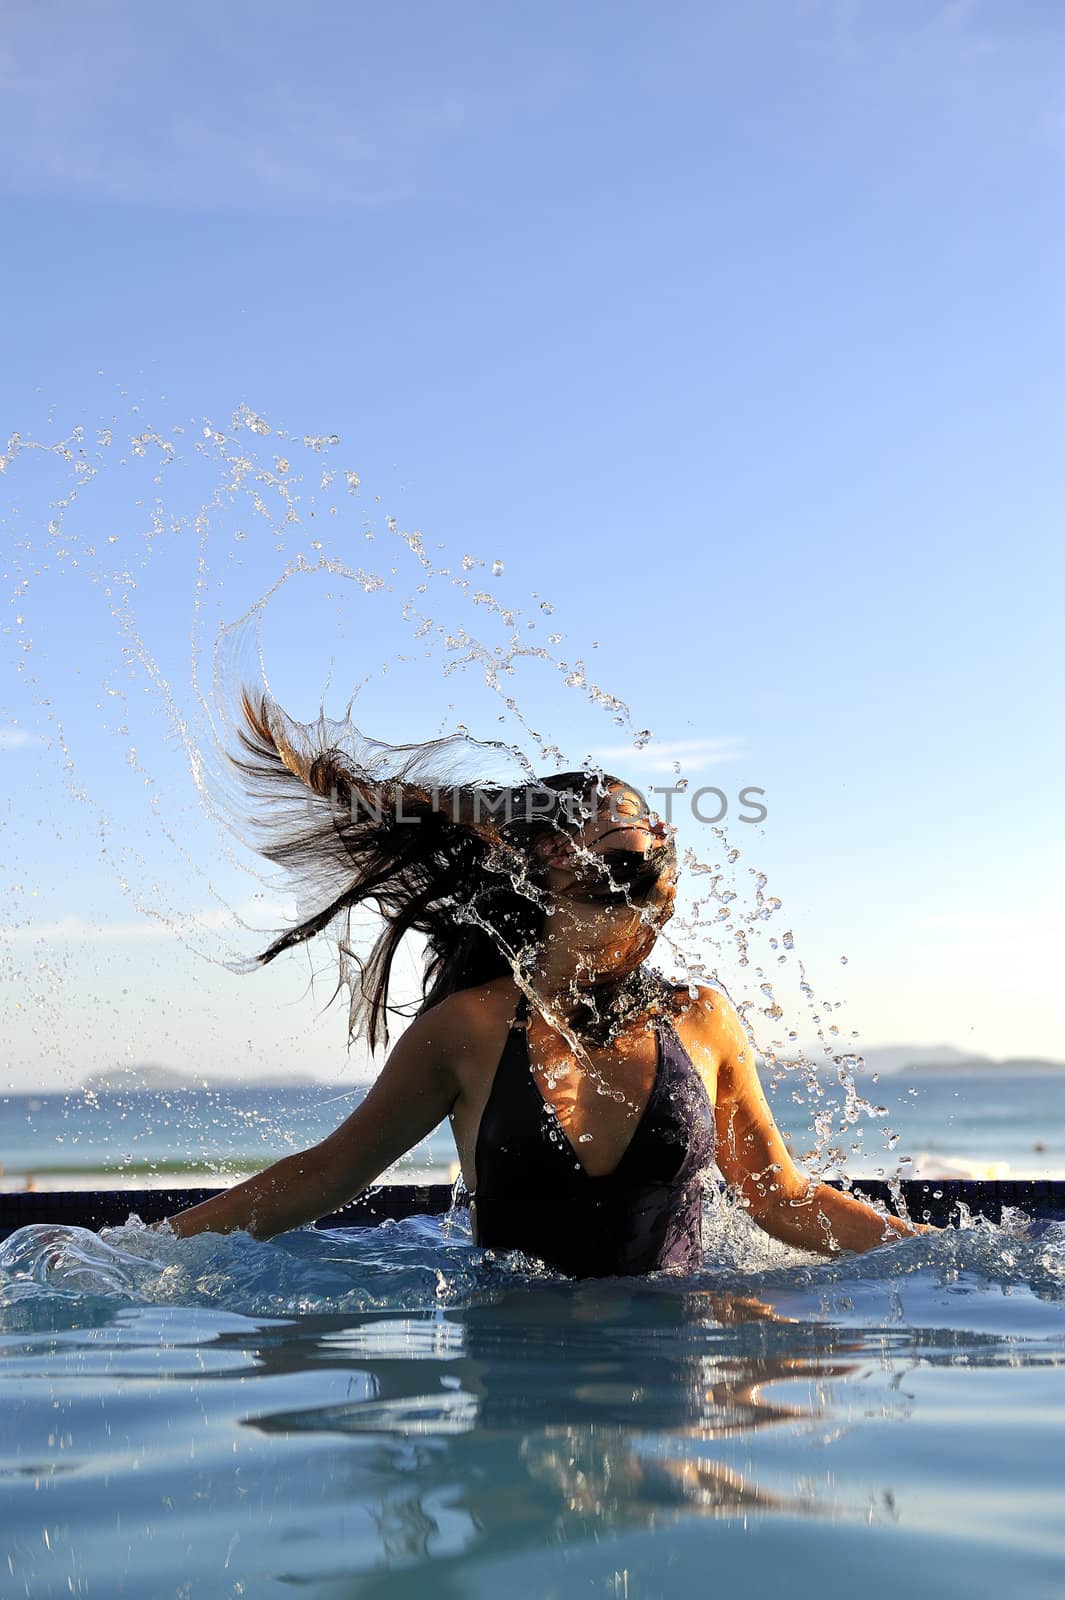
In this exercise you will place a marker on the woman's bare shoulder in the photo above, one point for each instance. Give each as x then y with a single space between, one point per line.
699 997
710 1014
469 1018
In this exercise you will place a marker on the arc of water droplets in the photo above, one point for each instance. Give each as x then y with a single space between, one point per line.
239 468
243 475
493 661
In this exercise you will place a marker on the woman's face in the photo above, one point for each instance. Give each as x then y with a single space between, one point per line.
615 883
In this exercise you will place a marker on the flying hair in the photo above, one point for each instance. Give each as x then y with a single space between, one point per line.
397 829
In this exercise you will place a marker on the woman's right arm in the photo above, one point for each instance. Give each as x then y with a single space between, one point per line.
413 1093
754 1160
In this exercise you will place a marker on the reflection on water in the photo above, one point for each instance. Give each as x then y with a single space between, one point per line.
391 1411
601 1407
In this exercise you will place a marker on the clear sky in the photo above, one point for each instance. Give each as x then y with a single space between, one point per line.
733 331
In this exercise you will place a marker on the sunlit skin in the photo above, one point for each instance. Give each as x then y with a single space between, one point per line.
444 1064
585 941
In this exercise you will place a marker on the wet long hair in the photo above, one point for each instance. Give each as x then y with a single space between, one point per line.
394 828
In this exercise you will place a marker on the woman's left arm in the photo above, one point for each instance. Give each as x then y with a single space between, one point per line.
754 1160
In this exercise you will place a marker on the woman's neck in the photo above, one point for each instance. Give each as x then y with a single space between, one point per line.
564 980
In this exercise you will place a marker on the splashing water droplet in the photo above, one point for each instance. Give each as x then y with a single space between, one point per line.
254 488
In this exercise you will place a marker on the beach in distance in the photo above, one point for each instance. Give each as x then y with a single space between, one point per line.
151 1125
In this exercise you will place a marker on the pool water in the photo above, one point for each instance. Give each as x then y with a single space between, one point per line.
392 1412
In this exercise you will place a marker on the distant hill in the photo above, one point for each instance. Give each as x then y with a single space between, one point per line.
887 1059
148 1075
895 1058
1010 1064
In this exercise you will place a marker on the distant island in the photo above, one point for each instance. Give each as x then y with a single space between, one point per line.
150 1076
1008 1064
889 1059
895 1057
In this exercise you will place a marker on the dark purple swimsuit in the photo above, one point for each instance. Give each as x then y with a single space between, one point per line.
533 1194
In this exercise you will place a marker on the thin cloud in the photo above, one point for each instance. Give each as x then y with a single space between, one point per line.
86 930
956 924
19 739
83 930
123 108
693 754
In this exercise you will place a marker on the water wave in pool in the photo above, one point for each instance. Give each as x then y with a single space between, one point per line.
390 1411
431 1261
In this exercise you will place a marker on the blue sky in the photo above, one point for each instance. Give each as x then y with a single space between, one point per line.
735 332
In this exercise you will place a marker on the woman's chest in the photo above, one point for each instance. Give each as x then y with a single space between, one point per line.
591 1110
596 1103
643 1108
587 1083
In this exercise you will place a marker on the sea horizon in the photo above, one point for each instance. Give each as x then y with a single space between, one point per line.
943 1123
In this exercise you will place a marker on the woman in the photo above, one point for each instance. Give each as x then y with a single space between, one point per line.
586 1094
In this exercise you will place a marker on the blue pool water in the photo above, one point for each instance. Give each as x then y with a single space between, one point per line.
391 1412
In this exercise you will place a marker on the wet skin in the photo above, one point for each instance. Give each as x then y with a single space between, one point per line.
598 1093
444 1064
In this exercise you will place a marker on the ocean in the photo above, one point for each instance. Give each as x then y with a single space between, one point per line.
979 1124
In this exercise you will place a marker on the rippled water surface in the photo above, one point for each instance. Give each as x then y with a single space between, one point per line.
390 1411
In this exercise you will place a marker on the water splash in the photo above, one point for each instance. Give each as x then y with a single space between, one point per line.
55 1276
255 534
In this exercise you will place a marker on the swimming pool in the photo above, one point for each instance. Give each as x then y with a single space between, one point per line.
390 1411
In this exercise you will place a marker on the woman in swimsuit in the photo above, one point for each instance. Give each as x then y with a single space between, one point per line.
586 1094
